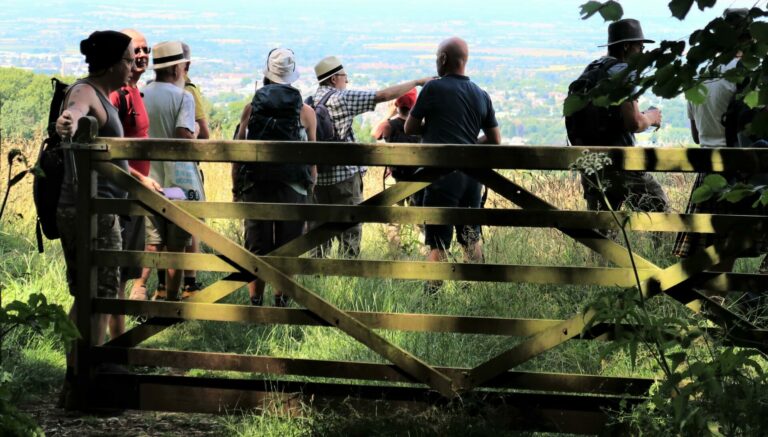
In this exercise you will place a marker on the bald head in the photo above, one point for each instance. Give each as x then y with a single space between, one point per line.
142 53
452 56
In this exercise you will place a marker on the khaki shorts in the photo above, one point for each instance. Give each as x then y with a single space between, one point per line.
107 238
160 232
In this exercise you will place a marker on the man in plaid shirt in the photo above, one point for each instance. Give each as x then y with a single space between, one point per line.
343 184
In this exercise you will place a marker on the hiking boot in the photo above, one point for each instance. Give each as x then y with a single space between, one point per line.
257 301
282 301
160 293
191 290
432 287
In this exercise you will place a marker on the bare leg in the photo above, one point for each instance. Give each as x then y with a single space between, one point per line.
139 288
117 321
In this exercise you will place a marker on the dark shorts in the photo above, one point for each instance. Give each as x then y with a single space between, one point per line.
132 231
453 190
264 236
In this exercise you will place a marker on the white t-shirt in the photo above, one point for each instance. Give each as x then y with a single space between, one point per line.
168 108
708 115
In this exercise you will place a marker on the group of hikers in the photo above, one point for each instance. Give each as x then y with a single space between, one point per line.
450 109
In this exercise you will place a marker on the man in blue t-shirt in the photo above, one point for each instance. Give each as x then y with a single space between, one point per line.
453 110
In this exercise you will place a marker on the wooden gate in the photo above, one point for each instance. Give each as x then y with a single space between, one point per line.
535 400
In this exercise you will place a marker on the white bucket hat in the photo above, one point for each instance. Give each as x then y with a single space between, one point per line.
281 66
327 67
166 54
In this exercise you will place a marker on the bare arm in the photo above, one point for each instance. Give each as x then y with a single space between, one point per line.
492 136
240 136
694 132
145 180
398 90
203 133
309 121
636 121
413 126
184 133
81 101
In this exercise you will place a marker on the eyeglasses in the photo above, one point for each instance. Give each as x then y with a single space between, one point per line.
144 49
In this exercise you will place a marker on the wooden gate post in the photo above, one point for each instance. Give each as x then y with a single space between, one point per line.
86 321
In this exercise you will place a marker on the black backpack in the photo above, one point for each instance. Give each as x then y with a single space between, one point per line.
276 115
594 125
326 130
46 187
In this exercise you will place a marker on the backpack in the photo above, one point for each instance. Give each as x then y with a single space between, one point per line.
594 125
326 130
735 119
47 183
737 116
276 115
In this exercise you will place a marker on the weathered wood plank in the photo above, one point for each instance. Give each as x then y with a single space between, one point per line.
451 156
639 222
559 382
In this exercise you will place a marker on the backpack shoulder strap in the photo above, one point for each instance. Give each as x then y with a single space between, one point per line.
122 107
325 98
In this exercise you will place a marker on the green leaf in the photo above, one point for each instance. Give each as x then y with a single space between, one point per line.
716 181
696 95
737 195
573 103
702 194
751 99
759 31
611 11
589 9
703 4
680 8
12 154
763 200
16 179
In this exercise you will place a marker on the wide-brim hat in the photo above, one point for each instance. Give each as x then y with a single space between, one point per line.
327 67
626 30
167 54
281 66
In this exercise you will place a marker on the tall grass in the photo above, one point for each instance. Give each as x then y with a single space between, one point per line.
38 363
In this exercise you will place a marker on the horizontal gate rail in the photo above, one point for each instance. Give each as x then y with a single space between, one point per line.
418 270
432 155
556 382
645 221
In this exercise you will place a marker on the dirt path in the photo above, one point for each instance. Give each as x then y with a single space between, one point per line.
58 422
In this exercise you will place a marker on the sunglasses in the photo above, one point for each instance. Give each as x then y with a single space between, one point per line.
138 50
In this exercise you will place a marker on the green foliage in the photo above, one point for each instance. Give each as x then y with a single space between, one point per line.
716 185
12 422
24 101
45 319
39 315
